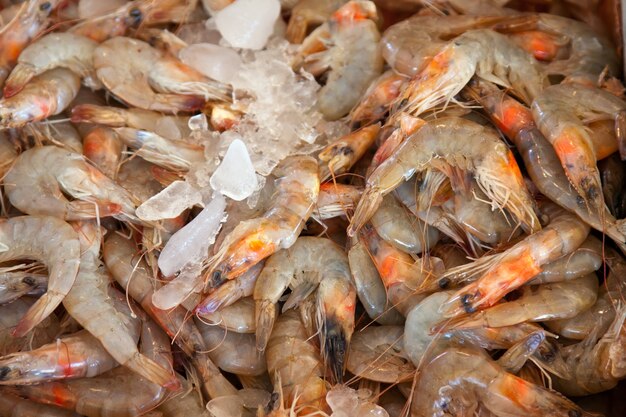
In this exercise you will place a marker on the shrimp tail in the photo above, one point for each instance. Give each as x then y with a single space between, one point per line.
265 317
299 294
335 347
185 103
153 372
296 30
42 308
79 209
18 78
369 203
90 113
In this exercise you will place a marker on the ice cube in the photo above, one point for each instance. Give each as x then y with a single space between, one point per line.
235 176
248 23
170 202
217 62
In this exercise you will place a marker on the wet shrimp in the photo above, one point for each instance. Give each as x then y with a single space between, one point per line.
299 268
22 279
504 272
237 317
50 241
437 145
482 382
54 50
375 102
143 77
32 18
297 189
308 13
136 175
336 200
583 261
10 315
342 154
13 406
347 45
560 112
40 177
103 148
46 95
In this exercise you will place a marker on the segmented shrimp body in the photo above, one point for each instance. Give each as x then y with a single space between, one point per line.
51 241
307 13
341 155
13 406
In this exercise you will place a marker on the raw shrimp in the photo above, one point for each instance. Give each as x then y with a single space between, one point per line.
613 176
31 19
504 272
187 403
103 148
41 334
297 189
583 261
117 393
296 367
560 112
299 268
232 352
458 380
347 45
50 241
89 303
438 145
342 154
560 300
144 77
54 50
13 406
46 95
237 317
369 286
19 280
484 53
375 102
136 175
8 153
376 354
394 224
308 13
40 176
336 200
79 355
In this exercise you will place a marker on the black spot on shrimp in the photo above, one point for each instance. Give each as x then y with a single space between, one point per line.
335 348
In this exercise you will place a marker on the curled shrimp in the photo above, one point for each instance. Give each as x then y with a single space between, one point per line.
504 272
54 50
308 13
560 112
375 102
437 145
347 45
46 95
31 19
148 79
297 189
471 375
299 267
51 241
40 176
342 154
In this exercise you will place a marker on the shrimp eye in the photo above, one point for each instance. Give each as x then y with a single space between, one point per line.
136 14
574 413
28 281
4 371
44 7
443 283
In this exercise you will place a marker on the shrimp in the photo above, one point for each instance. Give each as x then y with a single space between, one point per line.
561 300
237 317
540 158
40 177
32 18
436 145
299 267
46 95
297 189
336 200
136 175
376 354
88 302
342 154
103 148
347 45
482 382
117 393
583 261
483 53
10 315
79 355
186 403
504 272
308 13
375 102
369 286
560 112
144 77
613 175
396 227
8 153
232 352
13 406
19 280
296 367
50 241
54 50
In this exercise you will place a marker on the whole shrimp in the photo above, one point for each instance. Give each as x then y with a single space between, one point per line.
89 303
54 50
501 273
560 112
299 267
336 200
22 279
40 176
10 315
583 261
459 380
144 77
297 188
103 148
46 95
375 102
50 241
436 145
31 19
347 45
342 154
13 406
308 13
237 317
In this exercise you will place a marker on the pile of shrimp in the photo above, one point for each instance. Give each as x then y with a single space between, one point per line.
459 252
